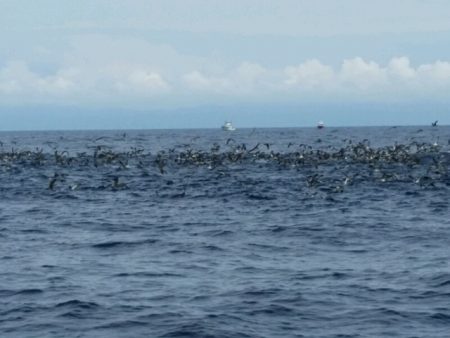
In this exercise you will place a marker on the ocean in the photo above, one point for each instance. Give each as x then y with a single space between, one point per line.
296 232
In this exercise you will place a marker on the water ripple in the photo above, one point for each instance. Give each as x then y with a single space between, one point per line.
198 233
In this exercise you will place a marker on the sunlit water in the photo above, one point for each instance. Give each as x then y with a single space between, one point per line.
110 234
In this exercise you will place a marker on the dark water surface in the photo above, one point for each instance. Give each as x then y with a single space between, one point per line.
340 232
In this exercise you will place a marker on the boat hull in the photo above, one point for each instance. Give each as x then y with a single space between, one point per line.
228 127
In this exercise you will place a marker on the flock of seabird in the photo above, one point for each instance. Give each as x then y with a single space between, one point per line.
329 168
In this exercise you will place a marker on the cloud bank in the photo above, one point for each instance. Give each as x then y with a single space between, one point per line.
353 79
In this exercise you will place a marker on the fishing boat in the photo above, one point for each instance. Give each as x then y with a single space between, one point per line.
320 125
228 126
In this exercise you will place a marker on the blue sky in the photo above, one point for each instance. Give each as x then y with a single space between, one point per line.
195 63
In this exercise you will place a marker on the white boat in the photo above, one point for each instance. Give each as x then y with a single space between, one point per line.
320 125
227 126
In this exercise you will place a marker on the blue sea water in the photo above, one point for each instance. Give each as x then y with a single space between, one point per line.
340 232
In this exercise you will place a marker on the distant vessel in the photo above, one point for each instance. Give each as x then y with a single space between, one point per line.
227 126
320 125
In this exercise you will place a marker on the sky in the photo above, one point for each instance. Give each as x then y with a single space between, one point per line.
109 64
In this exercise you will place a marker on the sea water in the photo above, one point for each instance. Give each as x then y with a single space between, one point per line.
206 233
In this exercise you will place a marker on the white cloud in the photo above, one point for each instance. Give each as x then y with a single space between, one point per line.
96 68
400 68
148 80
130 79
250 79
358 76
310 74
198 81
110 81
245 79
249 72
120 80
435 74
17 78
362 74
